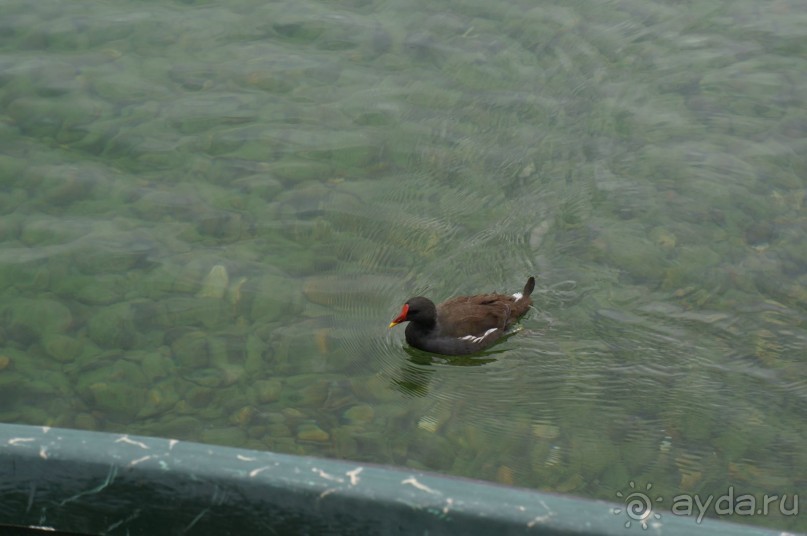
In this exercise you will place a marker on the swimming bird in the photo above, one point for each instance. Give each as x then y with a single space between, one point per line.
462 325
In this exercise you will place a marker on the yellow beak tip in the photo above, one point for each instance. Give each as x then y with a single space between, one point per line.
392 325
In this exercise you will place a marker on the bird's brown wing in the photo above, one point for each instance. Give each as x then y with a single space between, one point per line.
475 315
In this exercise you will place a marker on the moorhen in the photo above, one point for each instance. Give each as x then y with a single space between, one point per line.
462 325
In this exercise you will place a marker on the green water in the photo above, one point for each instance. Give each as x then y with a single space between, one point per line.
212 210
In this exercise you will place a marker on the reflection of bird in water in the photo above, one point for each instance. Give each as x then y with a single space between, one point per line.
416 373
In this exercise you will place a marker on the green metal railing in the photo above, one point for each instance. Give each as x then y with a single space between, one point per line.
76 482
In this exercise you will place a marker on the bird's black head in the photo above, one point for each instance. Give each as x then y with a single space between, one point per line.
418 310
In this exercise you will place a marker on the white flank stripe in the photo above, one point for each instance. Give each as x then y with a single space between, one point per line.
478 339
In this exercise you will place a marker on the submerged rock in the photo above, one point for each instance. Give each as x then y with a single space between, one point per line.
92 290
266 391
231 436
120 400
545 431
359 414
273 297
343 291
62 347
215 283
191 350
207 312
635 255
31 318
432 450
312 432
157 364
159 399
85 421
182 427
242 416
113 327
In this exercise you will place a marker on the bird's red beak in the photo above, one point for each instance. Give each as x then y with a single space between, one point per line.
401 317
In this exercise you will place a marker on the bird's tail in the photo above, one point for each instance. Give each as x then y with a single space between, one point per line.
522 301
529 287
